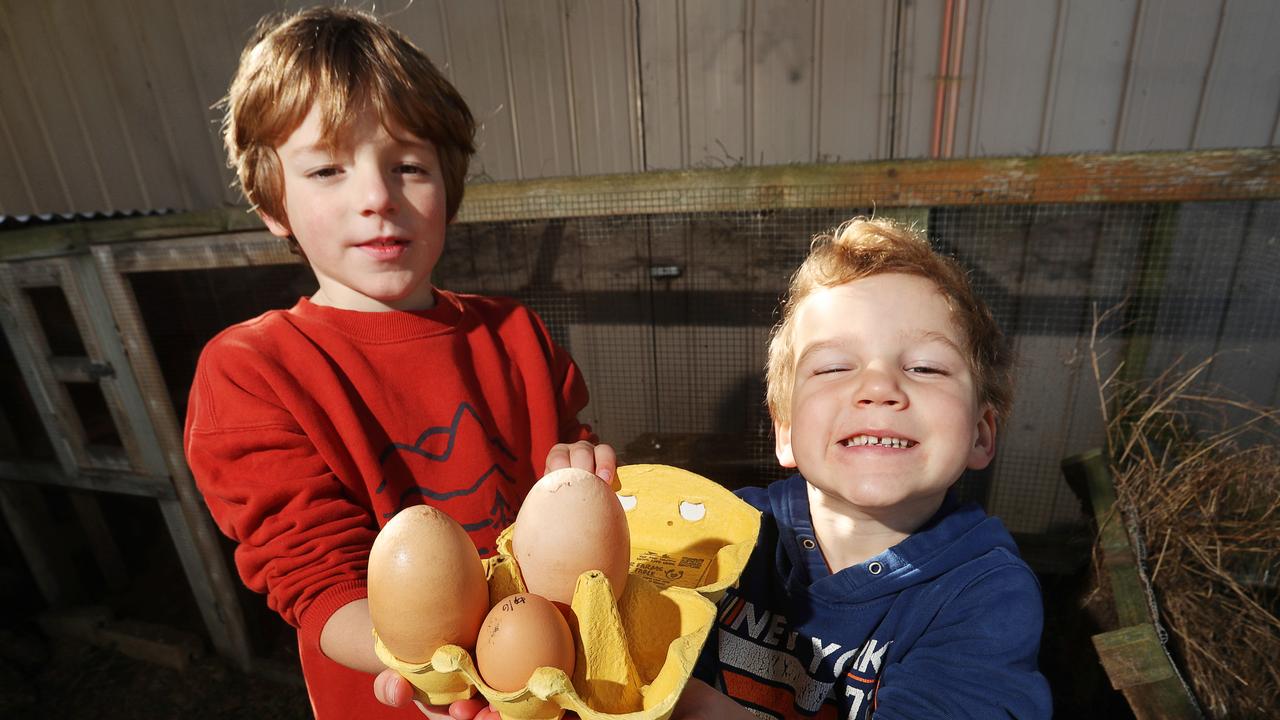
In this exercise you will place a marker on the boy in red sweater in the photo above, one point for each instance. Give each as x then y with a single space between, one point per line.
309 428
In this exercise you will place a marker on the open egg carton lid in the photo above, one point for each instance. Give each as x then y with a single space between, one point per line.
686 531
690 540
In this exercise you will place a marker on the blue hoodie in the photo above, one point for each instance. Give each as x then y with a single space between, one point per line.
945 624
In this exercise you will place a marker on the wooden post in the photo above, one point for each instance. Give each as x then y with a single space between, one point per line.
1134 656
160 438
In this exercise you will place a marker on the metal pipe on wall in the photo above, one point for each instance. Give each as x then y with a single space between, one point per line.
946 96
953 78
940 82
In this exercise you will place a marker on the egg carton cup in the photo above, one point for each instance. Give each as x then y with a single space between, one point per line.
690 540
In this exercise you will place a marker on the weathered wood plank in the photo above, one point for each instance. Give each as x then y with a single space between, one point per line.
115 481
75 237
1248 174
1136 661
1144 177
159 433
1127 655
1088 475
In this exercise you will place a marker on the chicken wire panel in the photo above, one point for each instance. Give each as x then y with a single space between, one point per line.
668 316
1171 273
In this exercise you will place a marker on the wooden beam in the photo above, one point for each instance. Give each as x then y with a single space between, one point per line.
232 249
1242 174
110 481
190 527
77 369
1135 177
73 238
1088 474
1134 656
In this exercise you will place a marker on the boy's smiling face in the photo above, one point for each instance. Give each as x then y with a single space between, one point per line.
884 410
369 214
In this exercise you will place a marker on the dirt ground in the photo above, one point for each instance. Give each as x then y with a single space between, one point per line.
43 679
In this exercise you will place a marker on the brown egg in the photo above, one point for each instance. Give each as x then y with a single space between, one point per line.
571 522
426 584
522 633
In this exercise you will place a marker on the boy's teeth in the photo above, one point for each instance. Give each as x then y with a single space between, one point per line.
893 442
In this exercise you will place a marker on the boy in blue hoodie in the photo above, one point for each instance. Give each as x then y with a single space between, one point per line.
873 593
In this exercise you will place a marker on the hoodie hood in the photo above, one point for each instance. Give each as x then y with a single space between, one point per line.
958 533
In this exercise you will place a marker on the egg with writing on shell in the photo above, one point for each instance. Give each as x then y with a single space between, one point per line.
522 633
571 522
427 585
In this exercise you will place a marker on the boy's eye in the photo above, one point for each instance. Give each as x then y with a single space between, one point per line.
411 169
829 370
925 370
324 172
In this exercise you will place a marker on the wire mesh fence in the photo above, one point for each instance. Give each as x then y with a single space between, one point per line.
669 315
666 296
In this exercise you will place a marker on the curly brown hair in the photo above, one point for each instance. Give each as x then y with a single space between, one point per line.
862 247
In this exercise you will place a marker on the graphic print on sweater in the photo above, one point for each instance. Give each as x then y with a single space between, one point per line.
469 458
775 671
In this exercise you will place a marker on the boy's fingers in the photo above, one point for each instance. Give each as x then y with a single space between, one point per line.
557 458
435 712
468 709
599 459
607 465
582 455
390 688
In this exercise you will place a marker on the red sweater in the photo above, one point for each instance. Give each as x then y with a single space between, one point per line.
309 428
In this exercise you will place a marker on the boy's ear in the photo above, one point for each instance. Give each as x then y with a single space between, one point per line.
984 446
276 227
782 444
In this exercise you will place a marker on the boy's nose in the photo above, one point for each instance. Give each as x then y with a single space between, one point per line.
377 197
878 387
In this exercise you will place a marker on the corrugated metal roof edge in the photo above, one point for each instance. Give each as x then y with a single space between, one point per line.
15 222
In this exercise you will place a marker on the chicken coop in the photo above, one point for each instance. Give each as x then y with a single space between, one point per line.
649 176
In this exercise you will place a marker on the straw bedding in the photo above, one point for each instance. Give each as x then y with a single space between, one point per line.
1197 476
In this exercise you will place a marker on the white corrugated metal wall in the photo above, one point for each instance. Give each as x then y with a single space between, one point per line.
106 104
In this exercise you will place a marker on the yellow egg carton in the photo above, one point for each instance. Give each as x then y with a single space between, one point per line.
690 540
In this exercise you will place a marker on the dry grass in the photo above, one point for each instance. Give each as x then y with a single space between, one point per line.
1198 473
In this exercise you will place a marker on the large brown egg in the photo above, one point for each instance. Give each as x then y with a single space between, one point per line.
571 522
522 633
426 584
